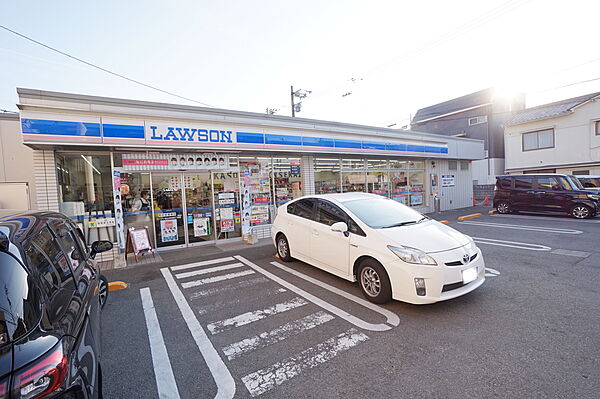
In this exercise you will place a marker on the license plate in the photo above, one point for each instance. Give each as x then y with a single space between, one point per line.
469 275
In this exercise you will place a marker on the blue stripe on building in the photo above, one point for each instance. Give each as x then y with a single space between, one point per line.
317 142
123 131
348 144
63 128
250 138
367 145
283 139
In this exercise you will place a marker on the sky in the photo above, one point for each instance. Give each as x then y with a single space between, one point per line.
394 57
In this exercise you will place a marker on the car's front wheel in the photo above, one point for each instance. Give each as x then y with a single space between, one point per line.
581 212
102 291
374 281
503 207
283 248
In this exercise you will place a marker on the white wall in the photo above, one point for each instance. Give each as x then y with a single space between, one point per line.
16 159
575 141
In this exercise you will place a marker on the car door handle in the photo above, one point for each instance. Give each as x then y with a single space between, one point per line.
354 245
531 192
315 232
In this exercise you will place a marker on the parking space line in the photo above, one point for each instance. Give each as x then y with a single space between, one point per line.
512 244
209 270
221 305
229 288
317 301
215 279
523 227
546 218
256 315
568 252
203 263
163 373
223 379
279 334
391 317
264 380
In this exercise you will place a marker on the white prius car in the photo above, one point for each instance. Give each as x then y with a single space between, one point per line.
392 250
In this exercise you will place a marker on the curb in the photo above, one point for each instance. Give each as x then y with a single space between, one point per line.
492 212
443 221
471 216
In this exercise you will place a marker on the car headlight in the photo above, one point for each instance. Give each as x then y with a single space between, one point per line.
412 255
594 197
471 245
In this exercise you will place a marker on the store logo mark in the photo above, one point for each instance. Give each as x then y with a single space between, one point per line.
189 134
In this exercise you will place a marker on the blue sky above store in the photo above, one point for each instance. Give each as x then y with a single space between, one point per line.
394 57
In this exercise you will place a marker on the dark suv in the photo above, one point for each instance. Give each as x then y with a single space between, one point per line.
51 294
552 193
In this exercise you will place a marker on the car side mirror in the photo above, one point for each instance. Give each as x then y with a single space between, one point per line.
100 246
340 227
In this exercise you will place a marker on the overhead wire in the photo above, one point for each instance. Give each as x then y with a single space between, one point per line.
103 69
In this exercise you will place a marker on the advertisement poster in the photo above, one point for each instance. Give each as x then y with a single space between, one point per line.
168 230
139 238
201 227
226 213
227 225
226 198
118 208
416 199
196 161
447 180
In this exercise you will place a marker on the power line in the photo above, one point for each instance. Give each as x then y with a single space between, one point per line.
101 68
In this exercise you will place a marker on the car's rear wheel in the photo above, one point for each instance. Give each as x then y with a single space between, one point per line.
283 248
581 212
374 281
102 291
503 207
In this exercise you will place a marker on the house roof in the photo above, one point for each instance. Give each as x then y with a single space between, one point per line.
479 98
551 110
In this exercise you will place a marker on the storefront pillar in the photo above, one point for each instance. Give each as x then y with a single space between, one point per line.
46 186
308 175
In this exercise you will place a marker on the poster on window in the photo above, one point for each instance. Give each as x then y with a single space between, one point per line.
226 198
118 208
227 226
168 230
226 213
416 199
201 227
196 161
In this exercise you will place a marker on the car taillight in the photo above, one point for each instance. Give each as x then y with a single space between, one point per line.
42 377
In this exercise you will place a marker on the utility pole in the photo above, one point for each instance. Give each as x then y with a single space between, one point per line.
292 96
300 94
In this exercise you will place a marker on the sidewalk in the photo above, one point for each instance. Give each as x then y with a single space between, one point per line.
454 213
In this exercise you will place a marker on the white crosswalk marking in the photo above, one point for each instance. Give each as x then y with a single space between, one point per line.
229 288
203 263
264 380
233 303
251 317
285 331
215 279
209 270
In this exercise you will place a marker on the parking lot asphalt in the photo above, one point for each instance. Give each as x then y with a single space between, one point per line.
230 321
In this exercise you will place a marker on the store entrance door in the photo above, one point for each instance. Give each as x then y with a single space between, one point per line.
168 210
199 208
195 208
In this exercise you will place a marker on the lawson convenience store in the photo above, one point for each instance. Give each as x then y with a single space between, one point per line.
196 176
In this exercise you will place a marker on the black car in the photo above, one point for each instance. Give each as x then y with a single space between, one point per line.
548 193
51 295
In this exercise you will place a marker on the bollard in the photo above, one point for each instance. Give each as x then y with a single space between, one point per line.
436 204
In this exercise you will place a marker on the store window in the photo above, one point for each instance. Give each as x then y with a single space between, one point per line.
399 183
417 187
257 203
353 175
136 201
378 177
327 175
85 193
287 179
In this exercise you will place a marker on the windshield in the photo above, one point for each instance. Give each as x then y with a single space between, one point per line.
19 303
379 213
576 181
589 181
